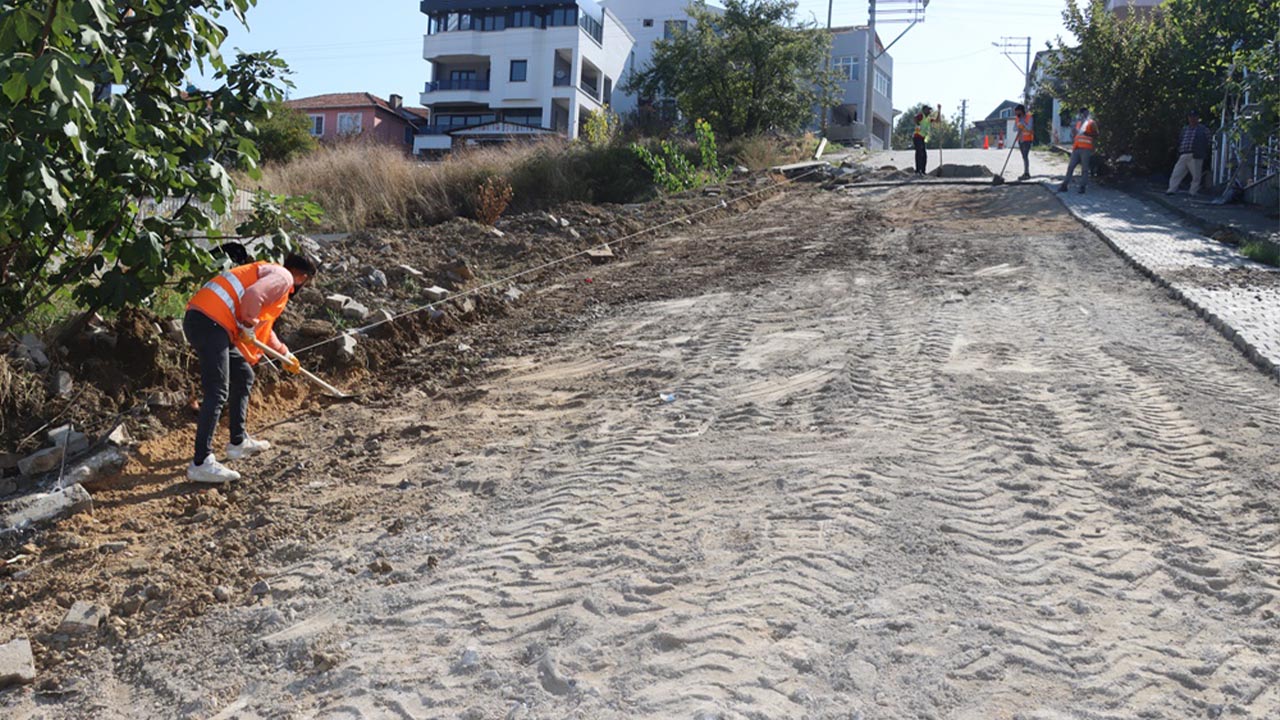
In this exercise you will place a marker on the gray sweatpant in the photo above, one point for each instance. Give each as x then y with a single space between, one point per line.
1079 156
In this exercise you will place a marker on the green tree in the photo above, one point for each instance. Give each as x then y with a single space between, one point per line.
1140 75
94 121
282 133
749 70
946 131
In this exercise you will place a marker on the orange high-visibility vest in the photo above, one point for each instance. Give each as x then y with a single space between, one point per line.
1025 133
220 298
1084 134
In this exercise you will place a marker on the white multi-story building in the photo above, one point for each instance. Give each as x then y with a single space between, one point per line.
504 68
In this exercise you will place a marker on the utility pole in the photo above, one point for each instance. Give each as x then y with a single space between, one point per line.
868 76
898 11
964 108
1007 46
826 110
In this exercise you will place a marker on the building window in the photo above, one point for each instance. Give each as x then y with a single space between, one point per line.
350 123
671 28
317 125
530 118
519 70
845 67
647 22
563 16
1006 113
882 83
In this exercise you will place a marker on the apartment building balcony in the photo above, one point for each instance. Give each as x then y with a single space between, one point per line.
447 85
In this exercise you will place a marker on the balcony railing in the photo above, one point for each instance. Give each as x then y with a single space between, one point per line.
441 85
561 81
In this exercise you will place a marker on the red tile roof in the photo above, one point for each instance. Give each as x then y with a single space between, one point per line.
340 100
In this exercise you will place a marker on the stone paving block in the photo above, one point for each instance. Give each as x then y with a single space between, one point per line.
82 619
1161 245
17 664
44 508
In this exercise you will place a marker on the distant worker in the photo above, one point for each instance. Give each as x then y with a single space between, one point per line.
924 130
223 319
1084 131
1026 136
1193 150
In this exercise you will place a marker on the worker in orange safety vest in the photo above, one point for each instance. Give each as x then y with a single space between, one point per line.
1084 131
1026 136
222 321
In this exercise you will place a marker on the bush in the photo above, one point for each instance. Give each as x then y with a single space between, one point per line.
492 198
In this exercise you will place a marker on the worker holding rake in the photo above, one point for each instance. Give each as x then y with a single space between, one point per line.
227 322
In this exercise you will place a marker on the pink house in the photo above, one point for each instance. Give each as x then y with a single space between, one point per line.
339 115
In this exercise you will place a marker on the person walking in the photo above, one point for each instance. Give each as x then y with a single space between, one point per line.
920 138
1026 136
1084 131
222 320
1193 149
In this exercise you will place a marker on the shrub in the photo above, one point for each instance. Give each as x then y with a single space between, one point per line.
672 171
601 127
492 198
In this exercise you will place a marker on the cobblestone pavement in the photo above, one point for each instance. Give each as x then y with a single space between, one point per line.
1238 296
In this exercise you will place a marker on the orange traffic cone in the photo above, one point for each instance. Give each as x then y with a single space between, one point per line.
986 142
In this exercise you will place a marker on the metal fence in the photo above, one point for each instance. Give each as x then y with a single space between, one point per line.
1245 160
238 210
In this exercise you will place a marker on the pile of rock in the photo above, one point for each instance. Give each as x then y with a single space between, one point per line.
64 470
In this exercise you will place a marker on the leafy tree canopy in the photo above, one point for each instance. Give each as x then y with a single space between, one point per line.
745 71
1141 75
946 131
282 133
95 121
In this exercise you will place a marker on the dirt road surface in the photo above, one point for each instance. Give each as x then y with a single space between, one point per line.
958 461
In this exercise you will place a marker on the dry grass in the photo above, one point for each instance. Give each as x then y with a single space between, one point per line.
765 151
368 185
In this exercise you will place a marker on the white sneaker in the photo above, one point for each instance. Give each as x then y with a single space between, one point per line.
246 448
211 471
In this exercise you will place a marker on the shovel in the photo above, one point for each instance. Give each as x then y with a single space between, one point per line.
999 179
271 353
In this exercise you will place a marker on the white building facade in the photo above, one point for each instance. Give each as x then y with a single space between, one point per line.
520 68
846 121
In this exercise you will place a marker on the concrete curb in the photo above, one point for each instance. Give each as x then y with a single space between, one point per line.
1250 350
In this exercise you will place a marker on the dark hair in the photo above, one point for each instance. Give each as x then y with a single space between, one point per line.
1023 108
926 109
301 264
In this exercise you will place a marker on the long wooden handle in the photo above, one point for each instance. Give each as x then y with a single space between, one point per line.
271 353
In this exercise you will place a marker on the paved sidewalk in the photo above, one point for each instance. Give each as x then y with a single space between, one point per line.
1238 296
1249 222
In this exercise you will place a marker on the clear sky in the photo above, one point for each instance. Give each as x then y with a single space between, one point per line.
376 46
